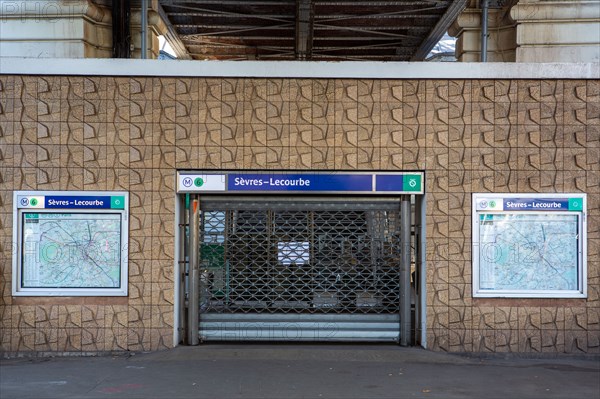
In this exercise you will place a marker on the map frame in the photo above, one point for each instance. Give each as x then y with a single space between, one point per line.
97 204
573 204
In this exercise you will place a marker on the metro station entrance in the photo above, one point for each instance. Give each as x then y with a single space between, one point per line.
300 267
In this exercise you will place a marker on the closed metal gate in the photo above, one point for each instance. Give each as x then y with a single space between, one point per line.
307 270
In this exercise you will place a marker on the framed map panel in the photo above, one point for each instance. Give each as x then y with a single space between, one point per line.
70 243
529 245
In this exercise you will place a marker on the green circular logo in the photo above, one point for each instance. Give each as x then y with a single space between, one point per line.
492 204
33 202
198 182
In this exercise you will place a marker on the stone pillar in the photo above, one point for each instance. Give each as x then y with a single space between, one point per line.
557 31
501 34
55 29
69 29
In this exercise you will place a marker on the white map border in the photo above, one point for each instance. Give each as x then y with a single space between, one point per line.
582 245
18 290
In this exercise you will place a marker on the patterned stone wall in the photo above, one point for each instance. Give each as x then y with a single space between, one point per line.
104 133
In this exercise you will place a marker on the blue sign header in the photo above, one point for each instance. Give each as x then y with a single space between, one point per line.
70 202
298 182
543 204
408 182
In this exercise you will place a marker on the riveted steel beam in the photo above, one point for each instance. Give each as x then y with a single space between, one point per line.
440 29
304 29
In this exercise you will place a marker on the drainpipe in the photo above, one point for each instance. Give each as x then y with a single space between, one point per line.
484 29
193 337
422 280
144 30
405 294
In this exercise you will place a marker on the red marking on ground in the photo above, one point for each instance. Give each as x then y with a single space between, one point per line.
120 388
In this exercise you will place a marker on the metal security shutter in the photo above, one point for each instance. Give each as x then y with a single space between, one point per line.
307 270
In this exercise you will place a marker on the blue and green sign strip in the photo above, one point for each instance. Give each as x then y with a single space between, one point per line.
404 182
543 204
71 202
531 204
299 183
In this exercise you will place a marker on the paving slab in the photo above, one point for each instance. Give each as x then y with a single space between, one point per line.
301 371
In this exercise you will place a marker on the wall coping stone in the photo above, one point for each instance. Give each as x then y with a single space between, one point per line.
297 69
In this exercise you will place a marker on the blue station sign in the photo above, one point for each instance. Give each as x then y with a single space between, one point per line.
529 204
297 182
71 201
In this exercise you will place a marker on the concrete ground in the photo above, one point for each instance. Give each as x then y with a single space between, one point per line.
300 371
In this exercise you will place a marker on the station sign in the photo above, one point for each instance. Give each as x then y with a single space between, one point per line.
301 183
487 203
70 202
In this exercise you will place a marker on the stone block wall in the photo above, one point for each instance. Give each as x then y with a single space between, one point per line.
106 133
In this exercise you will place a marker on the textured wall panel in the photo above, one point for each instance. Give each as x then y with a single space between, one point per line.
103 133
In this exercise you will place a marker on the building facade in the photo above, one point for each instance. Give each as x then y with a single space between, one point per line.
530 130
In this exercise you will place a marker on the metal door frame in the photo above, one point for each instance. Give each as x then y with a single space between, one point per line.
413 233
